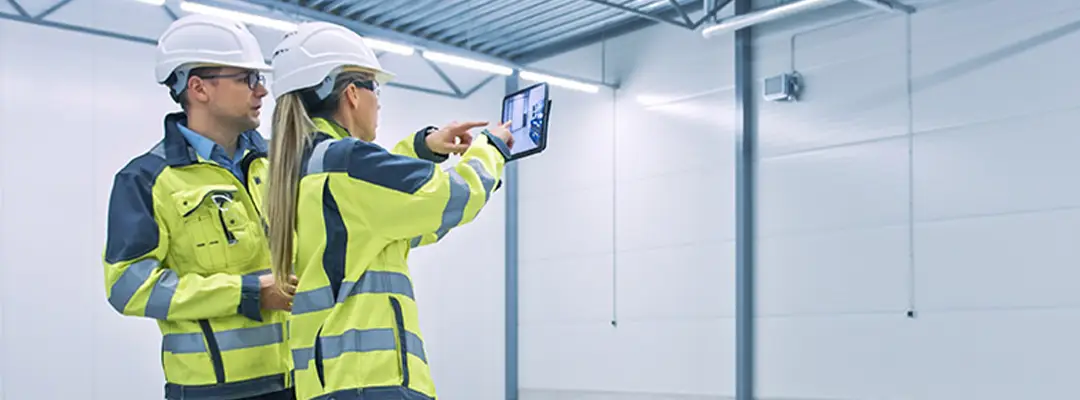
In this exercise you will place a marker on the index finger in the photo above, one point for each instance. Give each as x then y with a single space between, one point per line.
471 124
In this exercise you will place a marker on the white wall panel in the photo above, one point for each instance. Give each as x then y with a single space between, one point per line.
858 186
982 61
974 225
1012 165
1004 261
626 223
48 287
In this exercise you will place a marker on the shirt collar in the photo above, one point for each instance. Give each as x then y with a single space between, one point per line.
205 147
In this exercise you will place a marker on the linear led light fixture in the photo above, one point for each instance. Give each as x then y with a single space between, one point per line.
376 44
238 16
272 23
741 21
152 2
561 82
467 63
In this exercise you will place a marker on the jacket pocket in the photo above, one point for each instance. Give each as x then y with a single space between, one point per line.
399 330
216 228
318 358
214 350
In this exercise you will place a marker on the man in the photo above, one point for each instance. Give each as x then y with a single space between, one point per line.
186 242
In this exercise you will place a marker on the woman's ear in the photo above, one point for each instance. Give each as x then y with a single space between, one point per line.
353 94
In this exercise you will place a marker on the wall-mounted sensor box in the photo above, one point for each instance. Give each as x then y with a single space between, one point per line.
783 87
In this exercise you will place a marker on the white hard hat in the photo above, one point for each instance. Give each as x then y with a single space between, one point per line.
197 40
313 54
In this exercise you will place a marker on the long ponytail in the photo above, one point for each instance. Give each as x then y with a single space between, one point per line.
292 130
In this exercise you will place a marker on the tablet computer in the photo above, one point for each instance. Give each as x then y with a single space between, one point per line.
527 110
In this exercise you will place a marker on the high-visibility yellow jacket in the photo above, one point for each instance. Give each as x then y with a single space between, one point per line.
355 331
186 244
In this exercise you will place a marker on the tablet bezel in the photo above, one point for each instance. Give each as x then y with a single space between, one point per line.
540 147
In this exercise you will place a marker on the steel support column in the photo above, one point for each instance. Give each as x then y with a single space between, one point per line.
510 185
745 168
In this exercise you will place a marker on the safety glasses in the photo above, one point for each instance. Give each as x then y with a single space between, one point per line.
252 78
369 85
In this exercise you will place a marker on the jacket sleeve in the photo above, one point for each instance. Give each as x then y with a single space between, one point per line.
415 146
138 283
406 198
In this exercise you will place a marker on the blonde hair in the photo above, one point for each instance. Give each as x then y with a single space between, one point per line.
292 130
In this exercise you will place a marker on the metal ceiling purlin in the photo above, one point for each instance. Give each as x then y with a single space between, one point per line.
532 52
517 47
508 26
507 43
387 34
492 24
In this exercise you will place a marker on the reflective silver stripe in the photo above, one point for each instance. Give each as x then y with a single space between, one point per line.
244 338
315 164
182 343
235 339
312 300
358 341
485 177
130 281
161 295
371 282
415 242
415 345
455 205
377 282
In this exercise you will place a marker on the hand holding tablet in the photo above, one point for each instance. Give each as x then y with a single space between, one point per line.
526 111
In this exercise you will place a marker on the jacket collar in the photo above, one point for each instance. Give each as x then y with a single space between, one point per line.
178 152
330 127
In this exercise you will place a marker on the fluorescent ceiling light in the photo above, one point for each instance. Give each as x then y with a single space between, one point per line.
238 16
566 83
376 44
741 21
467 63
152 2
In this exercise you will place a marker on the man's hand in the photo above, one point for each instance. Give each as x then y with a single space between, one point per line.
272 298
503 132
453 138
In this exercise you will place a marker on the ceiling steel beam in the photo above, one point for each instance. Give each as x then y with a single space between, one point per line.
52 9
19 8
644 14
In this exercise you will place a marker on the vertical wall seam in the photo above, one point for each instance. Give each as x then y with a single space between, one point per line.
614 190
911 311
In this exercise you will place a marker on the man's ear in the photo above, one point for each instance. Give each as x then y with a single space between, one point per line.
196 89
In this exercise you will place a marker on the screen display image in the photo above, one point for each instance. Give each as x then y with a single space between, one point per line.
525 110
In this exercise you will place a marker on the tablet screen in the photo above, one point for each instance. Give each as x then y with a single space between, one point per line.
527 112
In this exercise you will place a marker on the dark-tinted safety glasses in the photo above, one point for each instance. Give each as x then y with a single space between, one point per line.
369 85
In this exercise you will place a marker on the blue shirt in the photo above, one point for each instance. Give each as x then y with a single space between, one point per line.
209 150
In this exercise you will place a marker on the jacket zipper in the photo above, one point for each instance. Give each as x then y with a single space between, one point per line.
402 347
215 351
229 236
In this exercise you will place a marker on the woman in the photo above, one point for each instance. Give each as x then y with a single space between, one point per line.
347 212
